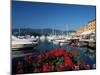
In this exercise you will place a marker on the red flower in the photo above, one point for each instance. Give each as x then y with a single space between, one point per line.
28 58
54 54
60 67
46 67
68 62
58 52
19 68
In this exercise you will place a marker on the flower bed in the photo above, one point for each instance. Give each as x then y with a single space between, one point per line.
51 61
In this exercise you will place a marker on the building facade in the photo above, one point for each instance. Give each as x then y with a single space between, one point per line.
92 25
87 30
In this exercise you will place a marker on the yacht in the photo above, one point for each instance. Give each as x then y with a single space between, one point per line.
18 43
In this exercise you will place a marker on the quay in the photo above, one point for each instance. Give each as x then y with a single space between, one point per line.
89 43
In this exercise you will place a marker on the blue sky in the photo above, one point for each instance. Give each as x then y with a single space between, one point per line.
50 15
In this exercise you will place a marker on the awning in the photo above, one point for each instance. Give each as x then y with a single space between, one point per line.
86 32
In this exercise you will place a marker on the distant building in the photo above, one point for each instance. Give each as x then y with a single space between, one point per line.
79 31
90 27
87 30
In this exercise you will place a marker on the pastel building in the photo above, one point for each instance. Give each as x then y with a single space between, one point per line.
87 30
92 25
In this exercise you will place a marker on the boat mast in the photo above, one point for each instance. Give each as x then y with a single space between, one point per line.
67 30
53 32
19 31
41 31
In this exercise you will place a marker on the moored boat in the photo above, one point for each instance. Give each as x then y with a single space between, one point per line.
22 43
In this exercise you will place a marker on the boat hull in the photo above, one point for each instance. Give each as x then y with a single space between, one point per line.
23 46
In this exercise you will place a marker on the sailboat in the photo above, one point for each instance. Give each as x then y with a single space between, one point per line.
62 39
42 37
51 37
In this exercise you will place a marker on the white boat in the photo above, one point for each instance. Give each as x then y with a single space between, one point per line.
28 38
61 41
22 43
42 38
51 38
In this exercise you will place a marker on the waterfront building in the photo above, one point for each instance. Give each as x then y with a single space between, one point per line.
92 28
79 31
88 31
92 25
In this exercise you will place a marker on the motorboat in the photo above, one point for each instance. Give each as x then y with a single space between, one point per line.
22 43
28 38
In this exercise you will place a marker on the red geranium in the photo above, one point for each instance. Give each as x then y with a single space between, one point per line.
46 67
68 62
60 67
19 68
29 58
58 52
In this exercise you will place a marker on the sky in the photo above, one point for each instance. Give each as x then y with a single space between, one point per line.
50 15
